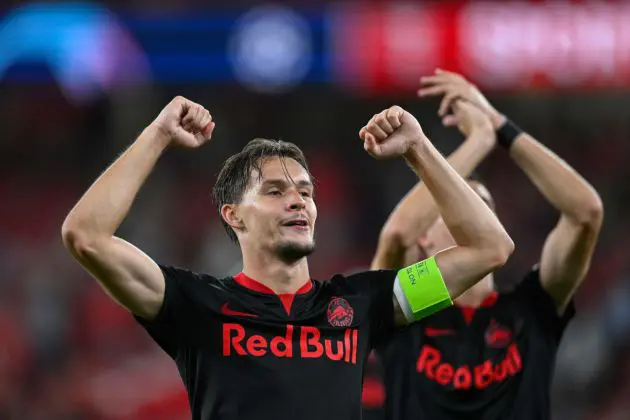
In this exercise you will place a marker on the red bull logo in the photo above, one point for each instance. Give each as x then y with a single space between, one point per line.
303 342
464 377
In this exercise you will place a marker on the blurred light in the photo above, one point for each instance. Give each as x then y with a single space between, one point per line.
385 46
271 49
84 45
388 45
565 44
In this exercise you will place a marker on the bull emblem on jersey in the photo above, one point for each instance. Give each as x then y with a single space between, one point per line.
340 313
498 335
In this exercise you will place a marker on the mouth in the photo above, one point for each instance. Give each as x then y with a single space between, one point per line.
297 224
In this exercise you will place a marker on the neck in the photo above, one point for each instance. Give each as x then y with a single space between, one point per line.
278 275
474 296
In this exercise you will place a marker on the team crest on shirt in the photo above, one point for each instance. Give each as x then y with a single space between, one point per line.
340 313
498 335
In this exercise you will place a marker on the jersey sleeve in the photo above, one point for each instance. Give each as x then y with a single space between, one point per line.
378 287
541 305
167 328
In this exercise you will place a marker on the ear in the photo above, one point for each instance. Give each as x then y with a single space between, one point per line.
229 212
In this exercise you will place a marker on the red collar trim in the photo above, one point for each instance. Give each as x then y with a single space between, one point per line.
490 300
251 284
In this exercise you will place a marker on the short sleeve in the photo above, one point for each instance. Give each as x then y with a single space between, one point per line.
170 321
378 286
535 299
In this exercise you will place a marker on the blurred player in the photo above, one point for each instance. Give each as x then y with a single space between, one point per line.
491 356
270 342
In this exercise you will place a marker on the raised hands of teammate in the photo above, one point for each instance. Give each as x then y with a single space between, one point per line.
185 123
453 87
391 133
469 119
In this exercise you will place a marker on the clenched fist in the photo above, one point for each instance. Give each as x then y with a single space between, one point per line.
391 133
185 123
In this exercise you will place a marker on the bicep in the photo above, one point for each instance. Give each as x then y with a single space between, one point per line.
431 285
566 258
462 267
126 273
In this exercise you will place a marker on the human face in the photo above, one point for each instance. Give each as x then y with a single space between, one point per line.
438 237
277 210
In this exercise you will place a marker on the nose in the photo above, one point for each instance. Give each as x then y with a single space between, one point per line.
296 201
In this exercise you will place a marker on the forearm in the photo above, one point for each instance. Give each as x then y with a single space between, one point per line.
106 203
560 184
469 219
482 243
417 210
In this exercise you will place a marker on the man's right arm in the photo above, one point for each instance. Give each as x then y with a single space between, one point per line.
128 275
397 245
483 245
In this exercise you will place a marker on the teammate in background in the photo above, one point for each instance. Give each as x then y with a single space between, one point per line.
269 341
492 355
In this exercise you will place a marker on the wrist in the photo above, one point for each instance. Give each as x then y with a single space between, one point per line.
497 120
486 129
507 133
159 136
484 136
417 146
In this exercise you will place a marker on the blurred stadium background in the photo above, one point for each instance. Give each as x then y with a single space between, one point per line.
78 81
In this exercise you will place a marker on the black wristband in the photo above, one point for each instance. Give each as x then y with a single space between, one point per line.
507 133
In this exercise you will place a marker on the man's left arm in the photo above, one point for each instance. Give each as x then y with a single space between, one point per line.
568 249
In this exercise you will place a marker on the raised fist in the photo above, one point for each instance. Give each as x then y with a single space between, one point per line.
185 123
391 133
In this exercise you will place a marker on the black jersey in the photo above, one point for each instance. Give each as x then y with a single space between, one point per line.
245 353
495 362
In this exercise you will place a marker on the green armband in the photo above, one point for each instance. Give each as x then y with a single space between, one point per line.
420 290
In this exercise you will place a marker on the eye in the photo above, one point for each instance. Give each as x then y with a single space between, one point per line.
274 192
305 193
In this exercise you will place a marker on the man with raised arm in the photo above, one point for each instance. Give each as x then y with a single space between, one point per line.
271 342
492 354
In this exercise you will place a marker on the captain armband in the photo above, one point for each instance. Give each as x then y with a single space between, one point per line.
420 290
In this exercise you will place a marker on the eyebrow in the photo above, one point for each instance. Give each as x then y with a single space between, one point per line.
283 182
